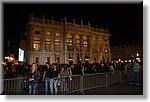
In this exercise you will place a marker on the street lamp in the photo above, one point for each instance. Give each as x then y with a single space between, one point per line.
137 58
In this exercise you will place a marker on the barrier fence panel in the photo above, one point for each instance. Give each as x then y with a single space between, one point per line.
113 77
94 80
13 86
69 86
126 76
66 86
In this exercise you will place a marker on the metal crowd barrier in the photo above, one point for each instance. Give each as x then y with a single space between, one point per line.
77 84
13 86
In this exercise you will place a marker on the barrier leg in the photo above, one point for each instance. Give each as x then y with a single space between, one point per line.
81 91
107 82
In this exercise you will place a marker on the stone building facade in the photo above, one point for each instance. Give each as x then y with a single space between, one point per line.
127 52
65 42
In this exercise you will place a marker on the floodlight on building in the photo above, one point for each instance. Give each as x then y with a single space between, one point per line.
137 54
86 58
70 58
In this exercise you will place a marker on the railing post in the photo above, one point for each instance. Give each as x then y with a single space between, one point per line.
81 85
106 80
120 76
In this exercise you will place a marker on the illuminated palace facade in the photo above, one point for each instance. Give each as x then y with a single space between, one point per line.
64 42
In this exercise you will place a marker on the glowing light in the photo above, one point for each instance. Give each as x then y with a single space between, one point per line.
70 59
21 55
137 54
34 45
86 59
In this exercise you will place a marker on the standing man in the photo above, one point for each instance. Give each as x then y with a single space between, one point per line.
136 72
48 76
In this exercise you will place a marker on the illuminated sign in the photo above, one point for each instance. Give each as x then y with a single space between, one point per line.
21 55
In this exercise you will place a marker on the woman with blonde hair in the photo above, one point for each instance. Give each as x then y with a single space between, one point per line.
33 78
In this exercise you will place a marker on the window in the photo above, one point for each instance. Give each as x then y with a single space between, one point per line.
85 43
57 44
93 37
57 40
37 59
37 32
77 42
48 59
84 37
47 44
105 40
77 36
48 33
69 47
36 43
58 60
57 34
69 42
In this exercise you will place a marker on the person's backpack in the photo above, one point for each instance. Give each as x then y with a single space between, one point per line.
25 85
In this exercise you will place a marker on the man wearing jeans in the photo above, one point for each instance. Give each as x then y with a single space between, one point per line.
48 76
136 73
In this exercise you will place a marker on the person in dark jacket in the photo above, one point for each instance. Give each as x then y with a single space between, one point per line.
33 78
48 76
136 72
55 79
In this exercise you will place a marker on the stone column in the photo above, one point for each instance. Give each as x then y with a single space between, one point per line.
109 54
52 42
97 51
65 40
42 40
31 40
81 43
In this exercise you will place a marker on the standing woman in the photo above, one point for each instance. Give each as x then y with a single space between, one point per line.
55 79
63 79
33 77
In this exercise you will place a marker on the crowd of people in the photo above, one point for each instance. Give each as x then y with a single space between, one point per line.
50 74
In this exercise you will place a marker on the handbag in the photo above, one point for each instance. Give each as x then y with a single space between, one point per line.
25 85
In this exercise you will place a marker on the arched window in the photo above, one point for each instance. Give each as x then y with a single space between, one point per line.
36 43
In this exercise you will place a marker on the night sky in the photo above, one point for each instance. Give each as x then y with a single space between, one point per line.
124 21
